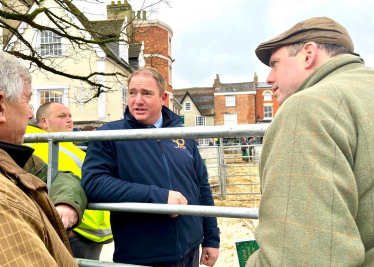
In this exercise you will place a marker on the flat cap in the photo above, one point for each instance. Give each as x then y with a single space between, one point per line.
320 30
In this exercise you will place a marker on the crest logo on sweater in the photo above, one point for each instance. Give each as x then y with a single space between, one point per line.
180 143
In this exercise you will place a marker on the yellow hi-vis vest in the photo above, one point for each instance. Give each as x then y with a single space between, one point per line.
96 223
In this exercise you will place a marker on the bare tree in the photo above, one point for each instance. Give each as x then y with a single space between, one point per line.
66 21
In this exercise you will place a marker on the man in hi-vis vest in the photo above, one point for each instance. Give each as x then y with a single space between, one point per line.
88 238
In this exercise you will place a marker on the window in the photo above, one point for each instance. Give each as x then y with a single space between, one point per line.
187 106
169 48
170 77
204 141
50 44
53 93
124 97
50 96
268 96
268 112
200 121
230 119
230 101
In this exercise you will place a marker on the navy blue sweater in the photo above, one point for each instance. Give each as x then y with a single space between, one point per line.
144 171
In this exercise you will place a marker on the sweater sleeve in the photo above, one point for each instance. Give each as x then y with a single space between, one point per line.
101 182
309 195
66 188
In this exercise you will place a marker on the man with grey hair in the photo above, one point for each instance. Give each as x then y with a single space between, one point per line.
316 166
32 233
152 171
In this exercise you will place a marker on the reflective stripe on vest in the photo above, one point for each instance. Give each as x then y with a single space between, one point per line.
76 159
99 232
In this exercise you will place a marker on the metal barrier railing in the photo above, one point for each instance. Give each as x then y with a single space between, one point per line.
232 154
152 134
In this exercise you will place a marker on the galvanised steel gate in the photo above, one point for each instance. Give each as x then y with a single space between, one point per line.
53 140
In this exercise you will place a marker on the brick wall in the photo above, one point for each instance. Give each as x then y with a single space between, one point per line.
244 107
156 42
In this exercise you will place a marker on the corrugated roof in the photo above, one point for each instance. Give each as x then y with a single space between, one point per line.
203 98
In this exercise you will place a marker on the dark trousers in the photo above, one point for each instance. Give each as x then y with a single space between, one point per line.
245 155
84 248
191 260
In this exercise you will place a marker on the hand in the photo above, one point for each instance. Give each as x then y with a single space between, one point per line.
209 256
176 198
68 215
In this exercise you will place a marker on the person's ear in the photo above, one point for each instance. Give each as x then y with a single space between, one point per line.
310 51
163 98
3 108
43 123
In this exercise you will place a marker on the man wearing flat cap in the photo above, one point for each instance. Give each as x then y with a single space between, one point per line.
317 162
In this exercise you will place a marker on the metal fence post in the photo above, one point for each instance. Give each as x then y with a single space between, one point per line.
222 168
52 162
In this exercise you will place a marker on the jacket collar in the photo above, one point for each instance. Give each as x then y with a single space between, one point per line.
169 118
333 65
20 154
16 174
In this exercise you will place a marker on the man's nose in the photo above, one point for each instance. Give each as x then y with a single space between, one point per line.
31 112
270 78
139 98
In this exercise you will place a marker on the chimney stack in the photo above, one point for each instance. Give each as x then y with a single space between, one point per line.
256 79
119 10
217 82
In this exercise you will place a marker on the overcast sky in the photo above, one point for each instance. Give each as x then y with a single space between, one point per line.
220 36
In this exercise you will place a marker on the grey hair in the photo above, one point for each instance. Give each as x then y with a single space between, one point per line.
13 77
332 50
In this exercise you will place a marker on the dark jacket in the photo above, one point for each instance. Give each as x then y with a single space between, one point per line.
144 171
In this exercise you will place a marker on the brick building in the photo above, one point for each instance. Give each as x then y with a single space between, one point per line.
149 42
234 103
156 37
266 104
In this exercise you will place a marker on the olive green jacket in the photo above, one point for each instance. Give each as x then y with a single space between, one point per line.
66 188
317 172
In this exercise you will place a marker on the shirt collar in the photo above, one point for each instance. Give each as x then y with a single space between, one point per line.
158 124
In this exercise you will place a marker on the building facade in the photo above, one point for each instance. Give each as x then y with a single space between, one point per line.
234 103
266 104
197 108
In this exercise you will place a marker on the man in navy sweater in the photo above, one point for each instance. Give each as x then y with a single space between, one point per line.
152 171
